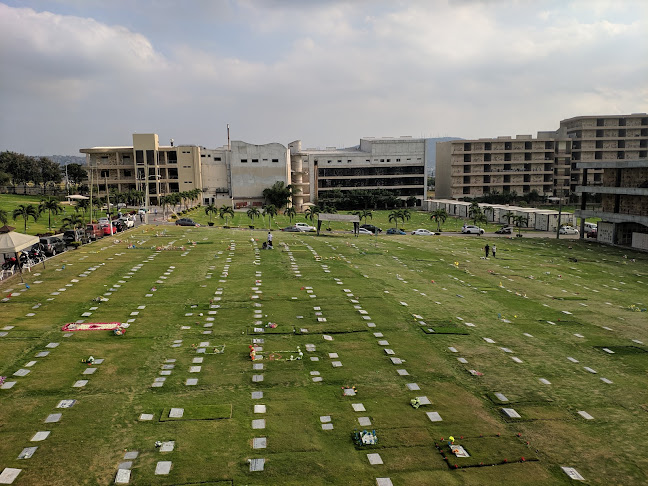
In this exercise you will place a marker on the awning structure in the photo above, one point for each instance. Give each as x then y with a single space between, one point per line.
13 242
345 218
77 196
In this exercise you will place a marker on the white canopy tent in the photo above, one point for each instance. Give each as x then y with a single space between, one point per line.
13 242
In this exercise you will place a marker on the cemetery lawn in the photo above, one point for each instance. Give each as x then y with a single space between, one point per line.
548 329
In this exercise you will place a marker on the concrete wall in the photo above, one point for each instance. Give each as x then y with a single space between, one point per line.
443 179
255 168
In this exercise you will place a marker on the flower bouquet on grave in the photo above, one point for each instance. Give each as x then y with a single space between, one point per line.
2 379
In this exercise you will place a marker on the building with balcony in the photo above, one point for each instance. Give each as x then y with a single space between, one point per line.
393 164
239 172
475 168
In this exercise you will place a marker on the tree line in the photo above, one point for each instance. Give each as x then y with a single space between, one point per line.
20 170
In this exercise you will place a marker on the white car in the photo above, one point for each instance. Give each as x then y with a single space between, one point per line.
128 221
568 230
364 231
469 229
423 232
103 220
304 227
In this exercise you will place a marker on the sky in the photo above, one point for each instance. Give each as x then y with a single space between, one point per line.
84 73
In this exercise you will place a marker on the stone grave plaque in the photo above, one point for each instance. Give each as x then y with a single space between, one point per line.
413 386
501 397
511 413
587 368
80 383
573 360
257 378
378 334
163 468
364 421
89 371
130 455
145 417
259 409
53 417
389 352
434 416
489 340
157 384
22 372
259 443
452 349
516 359
424 400
396 361
358 407
257 395
384 482
314 358
605 380
7 385
325 419
191 381
327 426
66 404
9 475
572 473
98 361
374 459
42 354
125 465
38 436
544 381
165 372
27 452
257 465
259 424
336 364
123 476
160 379
176 413
195 369
167 446
585 415
402 372
317 379
197 360
349 392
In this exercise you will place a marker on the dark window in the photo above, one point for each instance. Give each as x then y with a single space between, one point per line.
128 173
275 160
622 133
139 157
528 145
507 178
599 133
467 147
243 161
256 161
172 157
466 157
527 155
105 173
150 157
487 157
466 190
600 122
507 145
466 179
217 158
487 146
507 156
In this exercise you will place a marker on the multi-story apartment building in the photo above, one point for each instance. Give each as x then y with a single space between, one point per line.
394 164
615 150
474 168
240 171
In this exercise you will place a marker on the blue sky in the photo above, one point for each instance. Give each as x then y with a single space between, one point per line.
81 73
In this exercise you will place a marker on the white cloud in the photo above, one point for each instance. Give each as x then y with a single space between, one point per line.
326 72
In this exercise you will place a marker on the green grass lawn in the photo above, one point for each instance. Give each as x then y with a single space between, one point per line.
9 202
557 307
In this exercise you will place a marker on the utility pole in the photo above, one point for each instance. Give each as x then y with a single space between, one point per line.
107 196
559 215
91 187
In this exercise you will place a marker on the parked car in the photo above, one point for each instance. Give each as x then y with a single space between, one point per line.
469 229
141 211
593 234
506 230
52 245
305 227
423 232
73 235
93 232
185 222
103 220
394 231
108 229
291 229
128 221
589 227
371 227
568 230
365 231
119 225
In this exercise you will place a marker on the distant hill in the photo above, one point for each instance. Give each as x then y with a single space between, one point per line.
67 159
430 149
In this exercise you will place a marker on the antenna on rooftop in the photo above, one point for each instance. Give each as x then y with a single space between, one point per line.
172 142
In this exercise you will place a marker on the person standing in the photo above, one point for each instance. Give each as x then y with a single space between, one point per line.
269 239
494 249
486 249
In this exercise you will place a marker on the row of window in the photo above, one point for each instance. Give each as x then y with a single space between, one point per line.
256 161
339 161
508 146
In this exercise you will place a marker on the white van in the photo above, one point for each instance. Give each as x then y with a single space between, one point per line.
589 227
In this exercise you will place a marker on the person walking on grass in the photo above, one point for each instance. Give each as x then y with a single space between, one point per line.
494 249
269 240
486 249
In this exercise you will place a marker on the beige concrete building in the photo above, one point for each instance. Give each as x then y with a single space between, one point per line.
394 164
475 168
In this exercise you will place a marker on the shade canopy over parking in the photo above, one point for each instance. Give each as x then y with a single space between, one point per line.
13 242
77 196
347 218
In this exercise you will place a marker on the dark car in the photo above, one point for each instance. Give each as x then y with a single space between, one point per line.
291 229
506 230
371 227
593 234
185 222
119 225
52 245
394 231
73 235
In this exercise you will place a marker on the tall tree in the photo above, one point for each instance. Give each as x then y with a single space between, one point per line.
4 217
49 172
76 173
73 221
50 205
253 213
279 194
26 211
271 211
210 210
440 216
395 215
290 212
311 212
226 211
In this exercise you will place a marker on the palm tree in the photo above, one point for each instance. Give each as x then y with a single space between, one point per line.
509 216
474 210
279 194
311 212
364 214
73 220
226 211
440 216
50 205
407 215
26 211
489 209
271 211
4 217
82 205
290 212
520 220
253 213
395 215
210 210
